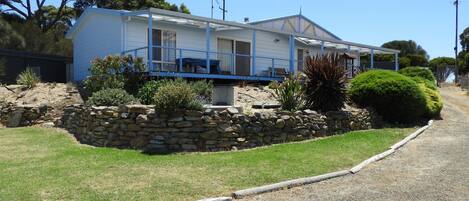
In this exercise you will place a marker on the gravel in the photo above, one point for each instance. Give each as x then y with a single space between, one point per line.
434 166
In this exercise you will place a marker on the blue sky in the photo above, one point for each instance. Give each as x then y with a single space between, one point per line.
429 22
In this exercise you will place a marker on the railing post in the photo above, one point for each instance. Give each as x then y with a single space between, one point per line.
135 53
207 43
180 60
292 54
372 58
396 61
253 68
233 63
150 41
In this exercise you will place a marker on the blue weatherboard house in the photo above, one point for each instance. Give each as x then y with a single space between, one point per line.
182 45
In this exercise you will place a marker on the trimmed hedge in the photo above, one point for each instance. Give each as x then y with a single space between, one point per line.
176 95
395 97
416 71
433 100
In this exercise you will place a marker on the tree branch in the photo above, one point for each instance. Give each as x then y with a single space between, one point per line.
12 7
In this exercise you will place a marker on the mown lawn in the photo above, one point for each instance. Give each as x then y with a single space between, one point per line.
45 164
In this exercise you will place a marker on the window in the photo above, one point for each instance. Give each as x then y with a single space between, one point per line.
164 54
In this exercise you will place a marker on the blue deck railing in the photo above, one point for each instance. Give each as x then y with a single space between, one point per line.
172 61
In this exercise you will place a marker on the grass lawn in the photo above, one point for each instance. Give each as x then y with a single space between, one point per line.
45 164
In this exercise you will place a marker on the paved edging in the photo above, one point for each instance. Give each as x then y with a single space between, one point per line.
309 180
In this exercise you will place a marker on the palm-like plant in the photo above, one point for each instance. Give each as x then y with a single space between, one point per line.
325 86
290 94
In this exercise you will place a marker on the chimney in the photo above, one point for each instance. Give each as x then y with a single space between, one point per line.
246 20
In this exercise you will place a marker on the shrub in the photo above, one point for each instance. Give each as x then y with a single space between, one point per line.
175 95
325 83
394 96
28 78
203 89
433 101
290 94
274 85
426 82
416 71
147 92
111 97
119 72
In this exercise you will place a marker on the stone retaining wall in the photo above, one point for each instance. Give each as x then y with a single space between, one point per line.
139 127
12 115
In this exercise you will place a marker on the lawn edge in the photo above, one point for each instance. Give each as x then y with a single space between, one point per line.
315 179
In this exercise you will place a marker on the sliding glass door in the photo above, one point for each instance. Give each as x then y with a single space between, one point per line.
164 55
239 64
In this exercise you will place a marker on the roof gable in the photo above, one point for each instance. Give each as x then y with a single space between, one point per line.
296 24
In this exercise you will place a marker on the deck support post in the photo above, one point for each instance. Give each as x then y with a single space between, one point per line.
150 41
322 48
396 61
253 66
372 59
207 43
292 54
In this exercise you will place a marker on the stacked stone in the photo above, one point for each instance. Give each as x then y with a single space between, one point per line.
140 127
12 115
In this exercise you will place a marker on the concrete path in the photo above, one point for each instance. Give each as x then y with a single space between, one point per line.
435 166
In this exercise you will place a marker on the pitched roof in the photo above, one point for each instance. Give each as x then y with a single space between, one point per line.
296 24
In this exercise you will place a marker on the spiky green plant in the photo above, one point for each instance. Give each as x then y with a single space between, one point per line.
290 94
28 78
325 84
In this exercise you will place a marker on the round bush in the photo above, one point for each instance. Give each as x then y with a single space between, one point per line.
433 101
395 97
111 97
416 71
175 95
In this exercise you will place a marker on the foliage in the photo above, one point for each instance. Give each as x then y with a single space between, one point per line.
48 42
325 84
273 85
411 54
81 5
433 101
416 71
147 92
119 72
463 64
441 67
111 97
203 89
407 47
464 40
42 14
9 38
394 96
290 94
28 78
404 62
175 95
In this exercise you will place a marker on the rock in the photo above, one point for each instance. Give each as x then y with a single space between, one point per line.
225 128
233 110
176 119
141 118
280 123
183 124
14 119
48 125
309 112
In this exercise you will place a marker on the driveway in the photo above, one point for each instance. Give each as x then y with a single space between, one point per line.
435 166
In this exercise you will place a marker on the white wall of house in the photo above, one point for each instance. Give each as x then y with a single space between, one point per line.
98 36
